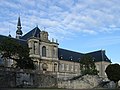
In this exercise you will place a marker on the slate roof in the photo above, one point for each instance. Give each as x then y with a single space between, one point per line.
23 42
33 33
68 55
99 56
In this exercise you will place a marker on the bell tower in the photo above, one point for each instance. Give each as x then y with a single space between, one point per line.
19 31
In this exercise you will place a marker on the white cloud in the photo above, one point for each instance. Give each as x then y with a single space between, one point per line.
67 16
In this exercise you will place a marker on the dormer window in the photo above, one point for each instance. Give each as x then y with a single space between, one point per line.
61 57
93 58
71 58
44 51
79 59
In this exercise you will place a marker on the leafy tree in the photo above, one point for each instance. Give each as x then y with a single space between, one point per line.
113 73
87 65
12 49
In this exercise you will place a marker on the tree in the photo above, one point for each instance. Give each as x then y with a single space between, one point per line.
113 73
87 65
12 49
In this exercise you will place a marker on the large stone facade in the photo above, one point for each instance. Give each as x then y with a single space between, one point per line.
45 55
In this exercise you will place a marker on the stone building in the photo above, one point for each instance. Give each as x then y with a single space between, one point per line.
48 57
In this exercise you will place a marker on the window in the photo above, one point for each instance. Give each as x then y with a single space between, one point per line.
71 67
62 66
44 66
44 51
55 67
35 47
76 68
67 67
61 57
54 51
97 66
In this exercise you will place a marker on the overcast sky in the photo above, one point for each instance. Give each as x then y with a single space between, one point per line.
79 25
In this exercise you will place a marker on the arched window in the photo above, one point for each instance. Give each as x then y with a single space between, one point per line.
44 51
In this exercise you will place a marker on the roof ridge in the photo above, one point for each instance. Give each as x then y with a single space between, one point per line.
71 51
35 31
95 51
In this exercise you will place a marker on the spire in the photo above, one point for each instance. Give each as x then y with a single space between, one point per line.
19 23
19 31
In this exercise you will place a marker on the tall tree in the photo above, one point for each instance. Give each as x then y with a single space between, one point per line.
113 73
12 49
87 65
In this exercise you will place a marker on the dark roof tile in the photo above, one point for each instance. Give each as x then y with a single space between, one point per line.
68 55
99 56
23 42
33 33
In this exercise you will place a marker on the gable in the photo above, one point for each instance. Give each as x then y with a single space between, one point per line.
33 33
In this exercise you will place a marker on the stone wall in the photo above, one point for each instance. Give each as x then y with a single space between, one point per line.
7 79
83 82
10 77
42 80
26 78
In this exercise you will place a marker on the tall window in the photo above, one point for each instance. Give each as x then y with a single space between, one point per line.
97 66
76 68
67 67
35 47
71 67
55 67
44 51
62 66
